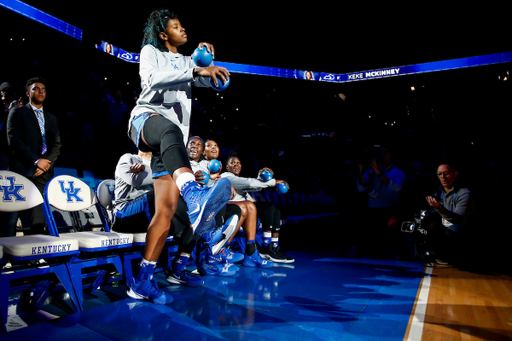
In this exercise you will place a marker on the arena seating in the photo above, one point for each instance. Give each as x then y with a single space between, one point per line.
100 251
83 218
42 261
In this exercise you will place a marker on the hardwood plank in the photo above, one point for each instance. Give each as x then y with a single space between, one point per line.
464 305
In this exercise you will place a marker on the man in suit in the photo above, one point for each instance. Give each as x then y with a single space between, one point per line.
34 140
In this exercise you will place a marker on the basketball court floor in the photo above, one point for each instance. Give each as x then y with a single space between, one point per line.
327 294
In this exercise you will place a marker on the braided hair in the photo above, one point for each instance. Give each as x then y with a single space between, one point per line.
157 23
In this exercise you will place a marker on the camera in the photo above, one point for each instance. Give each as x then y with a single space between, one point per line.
418 224
368 154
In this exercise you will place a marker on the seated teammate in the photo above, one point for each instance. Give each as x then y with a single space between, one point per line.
134 206
228 217
269 215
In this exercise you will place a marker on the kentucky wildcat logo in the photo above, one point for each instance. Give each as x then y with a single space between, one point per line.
10 190
71 192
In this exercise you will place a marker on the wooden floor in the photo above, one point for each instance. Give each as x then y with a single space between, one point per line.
466 305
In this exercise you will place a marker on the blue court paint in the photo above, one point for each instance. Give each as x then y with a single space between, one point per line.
314 299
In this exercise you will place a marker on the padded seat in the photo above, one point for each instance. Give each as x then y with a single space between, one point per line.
99 241
37 246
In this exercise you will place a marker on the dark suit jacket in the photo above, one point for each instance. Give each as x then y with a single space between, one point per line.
26 142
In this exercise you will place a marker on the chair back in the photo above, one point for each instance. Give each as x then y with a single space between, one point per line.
105 196
105 193
68 195
17 193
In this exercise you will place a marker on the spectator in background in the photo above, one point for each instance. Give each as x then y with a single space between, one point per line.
8 102
34 139
454 204
383 183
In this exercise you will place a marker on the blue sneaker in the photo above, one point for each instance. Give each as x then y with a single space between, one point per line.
214 236
144 287
221 269
229 256
204 203
228 229
184 277
255 261
148 290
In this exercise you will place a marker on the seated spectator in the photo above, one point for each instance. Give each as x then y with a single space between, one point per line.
269 215
454 204
134 206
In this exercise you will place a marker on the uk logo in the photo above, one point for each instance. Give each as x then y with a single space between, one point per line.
71 192
110 188
10 190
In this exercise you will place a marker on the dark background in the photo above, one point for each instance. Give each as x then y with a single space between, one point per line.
305 131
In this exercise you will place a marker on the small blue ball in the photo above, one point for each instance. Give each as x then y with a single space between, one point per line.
202 57
282 188
222 86
206 178
266 175
214 166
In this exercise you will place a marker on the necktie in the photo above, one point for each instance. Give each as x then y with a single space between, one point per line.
39 114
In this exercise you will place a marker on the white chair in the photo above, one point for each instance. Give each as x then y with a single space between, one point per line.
23 254
100 251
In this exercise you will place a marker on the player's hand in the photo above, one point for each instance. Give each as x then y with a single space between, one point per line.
137 168
200 176
209 47
214 72
265 169
282 182
215 176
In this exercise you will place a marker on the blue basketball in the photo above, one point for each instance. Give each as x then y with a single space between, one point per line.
206 179
202 57
266 175
214 166
222 86
282 188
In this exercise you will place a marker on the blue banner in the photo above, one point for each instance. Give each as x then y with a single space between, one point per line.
42 17
444 65
119 53
48 20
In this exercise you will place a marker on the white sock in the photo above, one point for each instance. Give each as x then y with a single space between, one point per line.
144 261
183 179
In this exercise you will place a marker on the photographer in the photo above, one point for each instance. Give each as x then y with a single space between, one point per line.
454 204
383 183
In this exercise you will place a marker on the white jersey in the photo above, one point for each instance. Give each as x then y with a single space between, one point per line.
128 185
166 80
245 185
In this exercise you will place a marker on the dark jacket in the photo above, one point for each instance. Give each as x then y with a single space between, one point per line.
25 141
